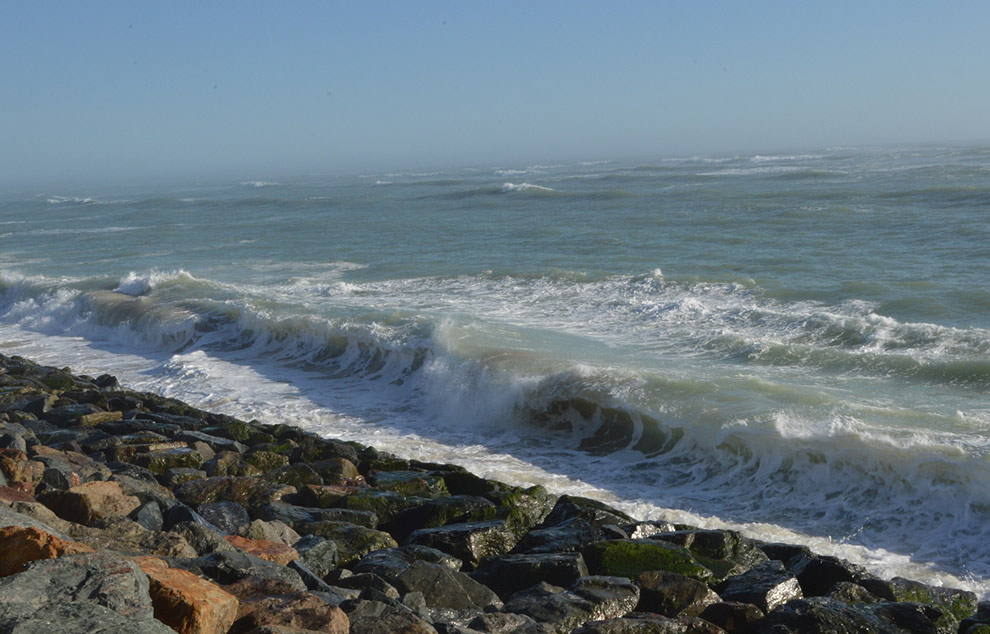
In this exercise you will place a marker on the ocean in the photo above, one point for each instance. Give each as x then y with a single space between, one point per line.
796 346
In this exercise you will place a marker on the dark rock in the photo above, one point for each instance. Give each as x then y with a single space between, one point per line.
353 541
377 617
954 604
81 589
217 443
389 563
442 587
849 592
568 536
509 574
312 581
978 622
299 517
913 617
636 623
632 557
454 509
149 515
671 594
732 616
227 517
819 573
724 552
766 586
592 598
384 504
297 612
317 554
248 491
411 483
823 616
298 475
366 580
592 511
507 623
180 513
203 540
784 553
227 568
470 542
178 476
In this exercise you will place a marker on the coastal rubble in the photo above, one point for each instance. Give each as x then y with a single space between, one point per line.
125 511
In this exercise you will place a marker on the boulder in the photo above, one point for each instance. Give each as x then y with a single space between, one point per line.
249 492
185 602
442 587
228 517
264 549
470 542
389 563
410 483
274 531
303 611
632 557
377 617
319 555
91 501
766 586
823 616
509 574
592 511
733 616
22 545
569 535
671 594
592 598
955 605
226 568
353 541
650 624
299 517
453 509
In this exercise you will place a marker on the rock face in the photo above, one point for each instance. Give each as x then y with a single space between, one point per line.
128 512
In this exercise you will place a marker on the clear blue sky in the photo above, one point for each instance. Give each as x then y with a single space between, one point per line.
148 90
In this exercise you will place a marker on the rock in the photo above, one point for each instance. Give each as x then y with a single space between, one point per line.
632 557
226 568
323 495
319 555
264 549
22 545
376 617
978 623
442 587
642 530
299 517
766 586
90 501
18 492
201 538
912 617
819 573
127 536
16 467
565 610
594 512
369 581
230 518
246 491
955 605
353 541
384 504
671 594
71 462
217 443
75 587
569 535
302 611
504 623
470 542
724 552
36 510
411 483
522 509
849 592
823 616
733 616
509 574
298 475
81 415
149 515
274 531
650 624
389 563
454 509
185 602
179 513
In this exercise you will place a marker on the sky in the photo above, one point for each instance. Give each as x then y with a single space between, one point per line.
126 91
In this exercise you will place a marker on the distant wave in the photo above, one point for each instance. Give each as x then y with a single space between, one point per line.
259 184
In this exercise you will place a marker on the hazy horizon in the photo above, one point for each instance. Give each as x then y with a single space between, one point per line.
114 93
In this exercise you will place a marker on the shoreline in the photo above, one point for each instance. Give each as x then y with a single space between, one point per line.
183 497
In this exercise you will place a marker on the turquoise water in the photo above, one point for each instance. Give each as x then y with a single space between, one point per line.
794 345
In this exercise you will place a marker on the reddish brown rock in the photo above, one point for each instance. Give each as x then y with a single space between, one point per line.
264 549
21 545
17 492
90 501
301 611
185 602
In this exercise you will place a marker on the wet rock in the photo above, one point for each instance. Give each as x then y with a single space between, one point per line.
978 623
384 504
455 509
90 501
185 602
302 611
954 604
230 518
509 574
732 616
22 545
217 443
247 491
323 495
506 623
522 509
389 563
724 552
442 587
766 586
671 594
366 580
470 542
823 616
819 573
353 541
592 511
376 617
591 599
411 483
568 536
912 617
632 557
299 517
650 624
849 592
319 555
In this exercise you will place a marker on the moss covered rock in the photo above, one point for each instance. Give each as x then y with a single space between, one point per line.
632 557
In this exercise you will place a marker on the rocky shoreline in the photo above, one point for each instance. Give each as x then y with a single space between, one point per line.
130 512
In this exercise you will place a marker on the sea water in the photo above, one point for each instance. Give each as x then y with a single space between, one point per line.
796 346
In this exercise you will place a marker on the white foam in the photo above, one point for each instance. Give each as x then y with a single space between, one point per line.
522 187
259 184
136 284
